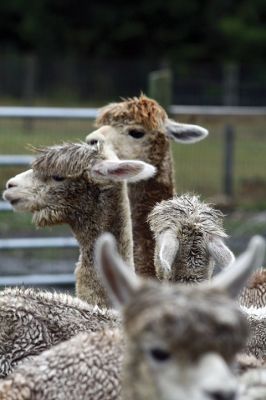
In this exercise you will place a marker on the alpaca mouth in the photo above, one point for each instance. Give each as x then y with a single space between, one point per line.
10 198
14 202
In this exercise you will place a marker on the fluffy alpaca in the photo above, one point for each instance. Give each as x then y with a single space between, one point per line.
32 321
84 186
180 341
139 128
254 294
253 384
256 344
188 239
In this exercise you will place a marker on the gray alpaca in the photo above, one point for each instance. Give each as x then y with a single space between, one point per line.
139 128
179 341
188 239
84 186
32 321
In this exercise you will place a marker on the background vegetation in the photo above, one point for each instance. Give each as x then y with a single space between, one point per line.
191 31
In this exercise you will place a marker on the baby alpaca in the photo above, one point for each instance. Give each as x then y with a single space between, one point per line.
188 239
139 128
84 186
179 341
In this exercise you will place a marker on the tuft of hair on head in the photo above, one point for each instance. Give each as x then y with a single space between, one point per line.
140 110
67 159
118 279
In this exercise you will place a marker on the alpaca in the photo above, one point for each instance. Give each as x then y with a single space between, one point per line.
188 239
256 344
139 128
84 186
32 321
253 384
254 294
179 341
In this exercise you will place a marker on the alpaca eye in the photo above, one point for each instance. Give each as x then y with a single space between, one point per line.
58 178
93 142
136 134
160 355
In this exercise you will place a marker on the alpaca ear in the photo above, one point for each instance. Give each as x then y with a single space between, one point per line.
185 133
120 170
233 278
118 278
167 245
222 255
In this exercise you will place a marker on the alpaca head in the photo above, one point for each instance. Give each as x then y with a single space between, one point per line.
139 128
188 239
181 340
67 181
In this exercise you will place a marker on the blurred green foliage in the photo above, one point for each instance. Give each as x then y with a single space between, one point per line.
194 30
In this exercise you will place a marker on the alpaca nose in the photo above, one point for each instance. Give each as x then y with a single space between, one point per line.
222 395
10 184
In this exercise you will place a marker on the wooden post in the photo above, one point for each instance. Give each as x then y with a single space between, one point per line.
160 87
228 180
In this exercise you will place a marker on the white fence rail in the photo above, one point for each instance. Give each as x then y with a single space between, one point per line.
38 243
16 160
38 280
48 112
91 113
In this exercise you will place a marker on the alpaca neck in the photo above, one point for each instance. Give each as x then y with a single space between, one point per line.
111 214
143 197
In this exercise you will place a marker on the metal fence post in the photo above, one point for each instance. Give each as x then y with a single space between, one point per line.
229 140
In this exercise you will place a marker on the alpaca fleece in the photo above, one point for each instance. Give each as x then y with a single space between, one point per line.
32 321
194 223
254 294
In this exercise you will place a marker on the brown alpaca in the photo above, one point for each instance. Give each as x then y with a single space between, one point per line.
189 239
179 341
254 294
139 128
84 186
